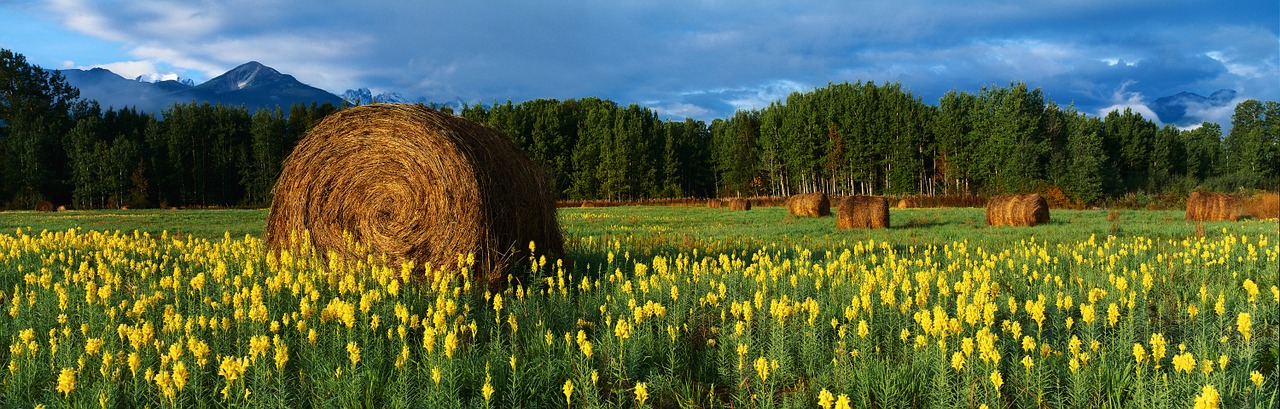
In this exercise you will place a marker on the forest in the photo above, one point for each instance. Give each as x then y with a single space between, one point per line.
845 138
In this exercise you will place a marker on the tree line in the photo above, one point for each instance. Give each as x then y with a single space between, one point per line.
847 138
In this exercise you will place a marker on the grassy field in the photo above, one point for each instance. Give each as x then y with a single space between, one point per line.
660 306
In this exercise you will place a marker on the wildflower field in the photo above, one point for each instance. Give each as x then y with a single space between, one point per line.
653 307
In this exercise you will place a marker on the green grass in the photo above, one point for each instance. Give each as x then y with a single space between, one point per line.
207 224
677 228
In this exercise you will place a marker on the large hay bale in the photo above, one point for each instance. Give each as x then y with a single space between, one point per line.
1017 210
809 204
44 206
1210 206
415 184
863 212
739 204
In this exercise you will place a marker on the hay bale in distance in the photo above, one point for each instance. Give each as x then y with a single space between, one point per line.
61 209
415 184
863 212
1017 210
809 204
715 203
44 206
1210 206
739 204
908 203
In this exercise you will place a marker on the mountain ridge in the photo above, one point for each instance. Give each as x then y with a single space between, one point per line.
252 84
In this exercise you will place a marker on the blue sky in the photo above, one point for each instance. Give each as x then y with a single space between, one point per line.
687 58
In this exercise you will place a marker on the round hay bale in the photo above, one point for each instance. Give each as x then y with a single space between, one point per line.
863 212
739 204
44 206
715 203
61 209
1210 206
415 184
1017 210
809 204
908 203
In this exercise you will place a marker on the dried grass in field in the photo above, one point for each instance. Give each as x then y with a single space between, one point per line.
809 204
1210 206
739 204
715 203
1264 205
863 212
1017 210
415 184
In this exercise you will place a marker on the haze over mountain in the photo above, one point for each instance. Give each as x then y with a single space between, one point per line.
251 84
1187 108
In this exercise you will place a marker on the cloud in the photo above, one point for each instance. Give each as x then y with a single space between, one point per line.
134 69
705 58
1123 99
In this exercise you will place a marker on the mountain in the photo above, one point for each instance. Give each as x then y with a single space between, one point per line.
1186 108
252 84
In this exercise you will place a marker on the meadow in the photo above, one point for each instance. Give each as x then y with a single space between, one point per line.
654 306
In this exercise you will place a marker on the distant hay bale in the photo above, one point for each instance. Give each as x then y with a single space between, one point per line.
908 203
1017 210
715 203
61 209
417 185
1210 206
863 212
44 206
809 204
739 204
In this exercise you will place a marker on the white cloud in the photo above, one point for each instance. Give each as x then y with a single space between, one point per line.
135 69
1134 101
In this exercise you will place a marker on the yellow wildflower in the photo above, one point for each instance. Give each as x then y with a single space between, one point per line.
762 368
825 399
842 402
1184 362
1208 398
67 381
642 393
568 391
353 353
1244 324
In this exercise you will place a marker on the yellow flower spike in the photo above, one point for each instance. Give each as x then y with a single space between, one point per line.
487 389
642 393
1256 378
568 392
66 381
998 380
1208 398
842 402
762 368
1244 324
435 374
